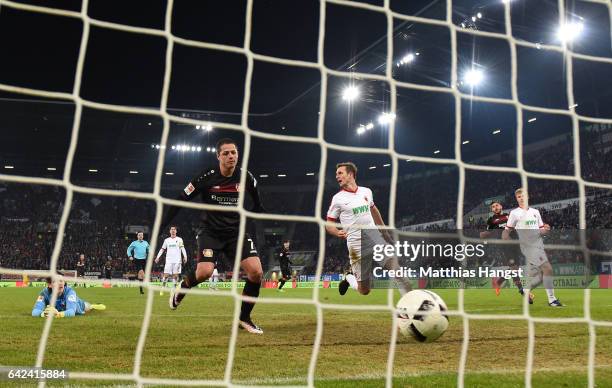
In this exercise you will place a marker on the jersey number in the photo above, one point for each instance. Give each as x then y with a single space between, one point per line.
252 245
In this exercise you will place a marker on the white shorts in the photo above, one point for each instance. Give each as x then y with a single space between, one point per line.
172 268
215 274
355 251
536 259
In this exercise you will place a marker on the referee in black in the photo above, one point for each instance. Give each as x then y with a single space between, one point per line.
220 186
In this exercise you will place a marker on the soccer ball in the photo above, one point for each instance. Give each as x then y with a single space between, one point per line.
422 327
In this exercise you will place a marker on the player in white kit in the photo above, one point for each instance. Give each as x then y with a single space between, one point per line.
353 207
175 249
529 226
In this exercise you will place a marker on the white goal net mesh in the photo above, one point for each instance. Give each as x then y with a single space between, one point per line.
172 40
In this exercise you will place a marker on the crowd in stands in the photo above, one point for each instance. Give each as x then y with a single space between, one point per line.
97 227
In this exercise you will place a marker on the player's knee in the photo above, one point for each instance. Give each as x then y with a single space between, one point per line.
202 274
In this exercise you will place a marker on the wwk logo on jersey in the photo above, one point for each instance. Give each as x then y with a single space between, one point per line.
361 209
530 222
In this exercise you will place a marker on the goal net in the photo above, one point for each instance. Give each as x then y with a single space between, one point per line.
459 92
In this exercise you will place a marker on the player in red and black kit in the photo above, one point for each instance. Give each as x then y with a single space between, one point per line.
219 238
495 225
283 255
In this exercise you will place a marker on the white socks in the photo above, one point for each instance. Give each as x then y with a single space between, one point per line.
548 285
352 280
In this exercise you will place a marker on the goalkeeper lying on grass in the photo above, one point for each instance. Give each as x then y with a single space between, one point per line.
68 304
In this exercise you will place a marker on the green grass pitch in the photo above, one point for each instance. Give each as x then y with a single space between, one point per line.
192 342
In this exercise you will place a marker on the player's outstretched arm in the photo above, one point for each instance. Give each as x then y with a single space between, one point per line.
378 220
39 306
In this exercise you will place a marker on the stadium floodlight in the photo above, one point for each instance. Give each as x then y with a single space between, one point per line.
156 146
386 164
372 167
133 172
409 160
496 131
473 18
309 173
169 173
569 32
462 25
193 148
369 126
361 130
263 175
199 149
197 127
436 152
207 149
9 167
350 93
51 168
473 77
213 149
90 170
281 175
531 120
465 142
152 145
573 106
386 118
479 15
208 128
173 147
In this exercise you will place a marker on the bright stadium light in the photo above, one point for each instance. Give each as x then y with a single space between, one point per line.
90 170
193 148
208 127
473 77
213 149
169 173
350 93
479 15
133 172
207 149
466 142
361 130
310 174
496 131
199 149
473 18
386 118
263 175
369 126
157 146
569 32
51 168
372 167
281 175
173 147
386 164
531 120
197 127
9 167
436 152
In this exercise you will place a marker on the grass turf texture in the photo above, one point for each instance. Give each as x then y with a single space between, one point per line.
192 342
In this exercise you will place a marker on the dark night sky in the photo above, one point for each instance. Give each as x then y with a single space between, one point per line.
40 51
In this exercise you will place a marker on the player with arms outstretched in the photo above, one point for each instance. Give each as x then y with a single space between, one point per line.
139 251
354 205
67 305
528 223
495 226
175 250
283 255
220 186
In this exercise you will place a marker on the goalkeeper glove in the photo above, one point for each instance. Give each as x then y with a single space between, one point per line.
48 310
59 314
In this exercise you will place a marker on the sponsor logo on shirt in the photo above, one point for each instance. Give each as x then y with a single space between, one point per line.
361 209
72 298
208 253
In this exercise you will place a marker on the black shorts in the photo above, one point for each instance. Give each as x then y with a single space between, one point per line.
80 274
213 246
140 264
286 271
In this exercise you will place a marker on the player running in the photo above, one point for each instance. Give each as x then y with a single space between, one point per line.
283 255
354 205
68 304
220 186
175 249
529 225
495 225
139 251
